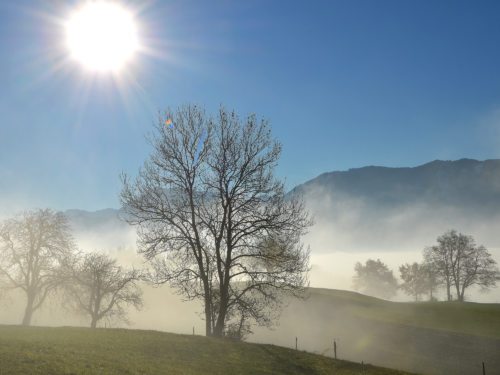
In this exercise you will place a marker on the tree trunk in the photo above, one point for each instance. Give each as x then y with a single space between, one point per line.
459 295
219 327
208 316
221 318
462 293
93 323
28 312
448 292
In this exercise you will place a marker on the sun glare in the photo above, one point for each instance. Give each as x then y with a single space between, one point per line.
102 36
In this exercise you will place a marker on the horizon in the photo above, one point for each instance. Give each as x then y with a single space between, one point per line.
97 209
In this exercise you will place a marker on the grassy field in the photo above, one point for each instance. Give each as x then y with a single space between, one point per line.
429 337
68 350
479 319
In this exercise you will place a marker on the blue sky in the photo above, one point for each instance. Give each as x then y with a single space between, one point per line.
343 83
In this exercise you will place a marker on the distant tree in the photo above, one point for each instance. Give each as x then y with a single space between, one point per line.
101 289
204 202
34 249
431 279
375 278
414 278
460 263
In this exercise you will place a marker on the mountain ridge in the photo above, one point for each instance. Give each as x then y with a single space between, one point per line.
465 182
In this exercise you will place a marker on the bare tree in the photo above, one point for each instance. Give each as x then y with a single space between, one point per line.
461 263
35 247
375 278
101 289
204 202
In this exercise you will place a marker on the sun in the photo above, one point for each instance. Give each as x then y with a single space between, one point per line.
102 36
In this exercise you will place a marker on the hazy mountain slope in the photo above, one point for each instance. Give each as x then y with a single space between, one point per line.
394 209
465 183
362 207
468 185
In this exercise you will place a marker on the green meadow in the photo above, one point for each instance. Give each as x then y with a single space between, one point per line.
68 350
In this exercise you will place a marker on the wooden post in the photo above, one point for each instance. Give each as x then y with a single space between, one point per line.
334 349
193 330
296 346
484 370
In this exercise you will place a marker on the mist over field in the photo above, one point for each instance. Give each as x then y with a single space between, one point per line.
350 226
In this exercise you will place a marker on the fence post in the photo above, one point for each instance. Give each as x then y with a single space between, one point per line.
334 349
296 346
484 370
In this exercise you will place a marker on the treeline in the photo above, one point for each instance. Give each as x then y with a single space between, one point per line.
454 264
38 256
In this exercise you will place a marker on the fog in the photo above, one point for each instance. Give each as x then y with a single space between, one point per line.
349 229
346 231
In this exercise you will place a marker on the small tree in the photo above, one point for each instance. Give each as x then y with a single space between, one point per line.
34 249
375 278
101 289
460 263
414 279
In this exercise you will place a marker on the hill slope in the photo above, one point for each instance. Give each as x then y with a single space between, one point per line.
427 337
116 351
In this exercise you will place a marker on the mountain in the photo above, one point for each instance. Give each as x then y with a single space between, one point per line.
371 208
379 208
465 183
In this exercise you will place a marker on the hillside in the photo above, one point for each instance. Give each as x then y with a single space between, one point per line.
66 350
407 336
477 319
465 183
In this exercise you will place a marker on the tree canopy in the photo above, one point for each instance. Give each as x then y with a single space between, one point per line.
375 278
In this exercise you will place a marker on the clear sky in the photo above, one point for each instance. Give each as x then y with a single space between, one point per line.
343 83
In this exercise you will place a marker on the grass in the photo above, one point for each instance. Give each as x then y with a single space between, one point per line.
478 319
69 350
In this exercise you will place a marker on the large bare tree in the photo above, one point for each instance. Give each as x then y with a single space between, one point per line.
99 288
214 221
461 263
34 249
